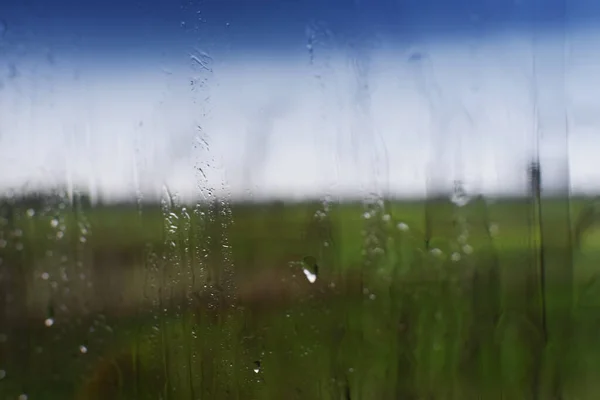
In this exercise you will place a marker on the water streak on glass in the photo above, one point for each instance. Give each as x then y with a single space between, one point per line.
304 200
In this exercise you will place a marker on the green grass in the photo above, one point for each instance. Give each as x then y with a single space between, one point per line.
185 304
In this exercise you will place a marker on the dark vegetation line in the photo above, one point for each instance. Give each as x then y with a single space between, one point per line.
41 198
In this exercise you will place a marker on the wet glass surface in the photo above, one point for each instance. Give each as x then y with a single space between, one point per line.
304 200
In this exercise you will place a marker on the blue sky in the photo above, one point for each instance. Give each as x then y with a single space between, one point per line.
297 98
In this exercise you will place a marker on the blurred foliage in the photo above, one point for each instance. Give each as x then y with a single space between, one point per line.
178 301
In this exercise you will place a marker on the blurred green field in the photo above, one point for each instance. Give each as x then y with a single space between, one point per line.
412 300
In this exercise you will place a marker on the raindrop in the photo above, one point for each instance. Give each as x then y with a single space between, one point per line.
386 217
309 275
459 195
30 212
402 226
372 296
203 60
310 269
83 349
467 249
367 215
45 276
82 239
49 322
2 373
60 234
455 257
256 367
54 223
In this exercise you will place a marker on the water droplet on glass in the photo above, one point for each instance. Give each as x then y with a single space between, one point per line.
54 223
2 373
310 269
455 257
459 195
49 322
60 234
83 349
467 249
372 296
309 275
82 239
22 397
367 215
45 276
256 367
30 212
386 217
402 226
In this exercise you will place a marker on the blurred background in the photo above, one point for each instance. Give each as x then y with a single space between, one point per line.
337 199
